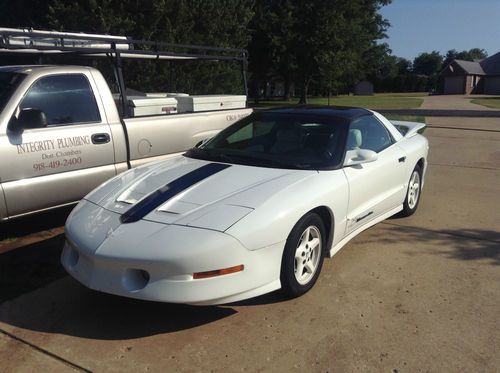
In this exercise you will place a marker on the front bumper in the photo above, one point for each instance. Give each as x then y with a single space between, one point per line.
152 261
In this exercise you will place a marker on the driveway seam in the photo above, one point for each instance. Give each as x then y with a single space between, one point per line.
429 126
45 352
462 166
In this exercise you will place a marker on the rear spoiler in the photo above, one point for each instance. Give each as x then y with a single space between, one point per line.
408 129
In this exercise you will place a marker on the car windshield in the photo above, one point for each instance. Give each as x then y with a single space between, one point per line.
280 140
8 83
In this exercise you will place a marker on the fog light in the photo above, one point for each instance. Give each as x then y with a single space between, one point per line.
135 279
218 272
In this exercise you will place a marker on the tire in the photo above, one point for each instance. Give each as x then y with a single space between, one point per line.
303 256
413 192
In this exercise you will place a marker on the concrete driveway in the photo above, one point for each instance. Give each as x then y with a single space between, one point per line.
452 102
420 294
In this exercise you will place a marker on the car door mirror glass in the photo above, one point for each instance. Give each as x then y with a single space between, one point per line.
359 156
29 118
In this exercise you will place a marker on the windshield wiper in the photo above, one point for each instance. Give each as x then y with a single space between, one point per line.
301 166
197 153
267 161
224 158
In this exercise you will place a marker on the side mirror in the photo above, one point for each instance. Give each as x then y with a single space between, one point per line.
30 118
359 156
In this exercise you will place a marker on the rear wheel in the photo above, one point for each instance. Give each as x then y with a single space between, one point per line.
413 193
303 255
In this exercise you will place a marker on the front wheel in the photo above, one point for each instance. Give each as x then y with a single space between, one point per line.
303 255
413 193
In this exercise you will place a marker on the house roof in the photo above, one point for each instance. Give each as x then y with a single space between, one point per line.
470 67
491 65
487 66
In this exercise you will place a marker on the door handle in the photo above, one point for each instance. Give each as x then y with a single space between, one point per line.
402 159
100 138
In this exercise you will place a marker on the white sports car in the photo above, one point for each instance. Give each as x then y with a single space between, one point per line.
252 210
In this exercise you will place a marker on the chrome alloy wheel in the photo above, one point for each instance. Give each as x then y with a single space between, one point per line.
414 189
307 255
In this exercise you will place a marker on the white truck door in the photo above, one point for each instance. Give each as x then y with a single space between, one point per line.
376 187
60 160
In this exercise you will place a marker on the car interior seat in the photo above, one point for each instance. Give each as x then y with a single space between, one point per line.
354 139
287 139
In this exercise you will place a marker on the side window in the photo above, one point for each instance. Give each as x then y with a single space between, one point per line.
65 99
368 133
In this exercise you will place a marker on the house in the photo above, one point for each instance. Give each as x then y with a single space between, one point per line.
363 88
276 88
472 77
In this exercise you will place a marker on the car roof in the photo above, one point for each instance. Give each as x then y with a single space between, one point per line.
333 111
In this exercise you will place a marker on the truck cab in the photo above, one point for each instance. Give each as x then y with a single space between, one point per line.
56 141
63 132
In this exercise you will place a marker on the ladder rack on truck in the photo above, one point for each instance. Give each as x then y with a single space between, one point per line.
116 48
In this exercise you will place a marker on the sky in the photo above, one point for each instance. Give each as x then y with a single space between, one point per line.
425 25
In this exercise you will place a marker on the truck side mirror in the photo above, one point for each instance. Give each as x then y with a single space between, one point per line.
30 118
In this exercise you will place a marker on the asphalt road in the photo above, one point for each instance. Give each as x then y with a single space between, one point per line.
420 294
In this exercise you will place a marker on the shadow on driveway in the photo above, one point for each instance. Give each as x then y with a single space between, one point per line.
460 244
30 267
34 223
67 307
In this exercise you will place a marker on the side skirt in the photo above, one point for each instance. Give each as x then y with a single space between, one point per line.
353 234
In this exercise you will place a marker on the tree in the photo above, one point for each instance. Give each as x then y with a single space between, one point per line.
428 63
314 43
404 65
470 55
270 48
202 22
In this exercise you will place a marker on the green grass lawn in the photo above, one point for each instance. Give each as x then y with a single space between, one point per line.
378 101
491 102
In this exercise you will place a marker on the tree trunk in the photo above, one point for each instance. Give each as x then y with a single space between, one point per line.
286 93
303 94
256 90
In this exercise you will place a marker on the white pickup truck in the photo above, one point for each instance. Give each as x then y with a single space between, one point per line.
61 133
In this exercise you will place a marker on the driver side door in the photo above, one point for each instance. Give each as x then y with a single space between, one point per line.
379 186
62 160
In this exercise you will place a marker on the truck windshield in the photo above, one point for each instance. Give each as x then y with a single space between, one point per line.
8 84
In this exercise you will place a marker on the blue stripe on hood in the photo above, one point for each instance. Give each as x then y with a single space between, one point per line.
162 195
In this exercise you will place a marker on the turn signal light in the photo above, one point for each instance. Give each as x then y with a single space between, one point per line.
218 272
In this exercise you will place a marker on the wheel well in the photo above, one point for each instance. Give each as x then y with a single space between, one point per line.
326 215
421 163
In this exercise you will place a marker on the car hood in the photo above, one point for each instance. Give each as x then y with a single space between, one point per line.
192 192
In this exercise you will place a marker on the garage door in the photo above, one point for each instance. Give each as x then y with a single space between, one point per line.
492 85
454 85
